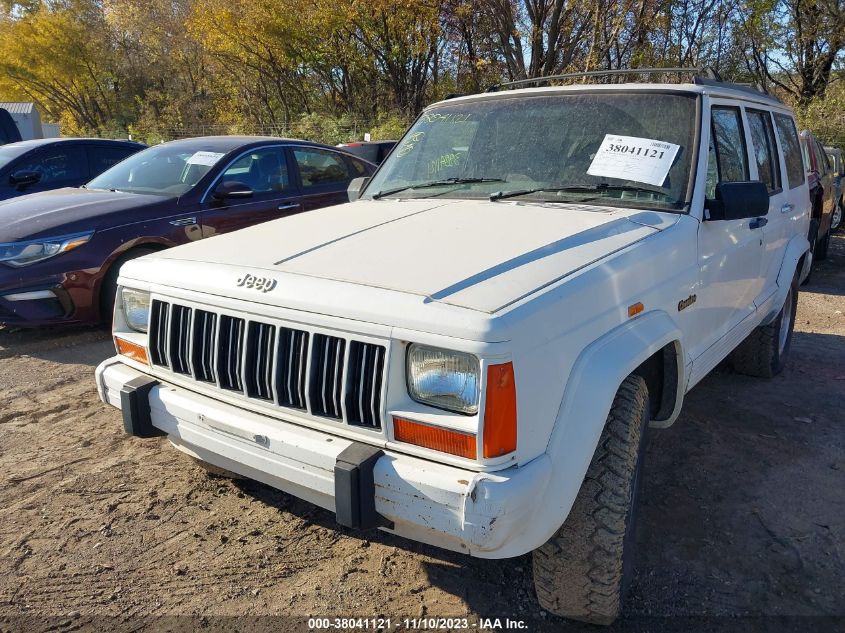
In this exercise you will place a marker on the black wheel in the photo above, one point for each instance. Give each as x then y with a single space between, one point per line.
763 353
822 246
812 236
836 220
108 289
584 570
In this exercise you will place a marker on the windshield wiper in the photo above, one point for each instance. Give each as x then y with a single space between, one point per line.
434 183
603 186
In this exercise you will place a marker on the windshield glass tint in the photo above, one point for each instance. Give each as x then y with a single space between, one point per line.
162 170
631 140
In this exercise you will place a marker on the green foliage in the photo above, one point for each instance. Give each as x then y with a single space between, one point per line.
826 116
333 70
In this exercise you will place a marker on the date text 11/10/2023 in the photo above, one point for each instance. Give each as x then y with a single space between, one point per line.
416 624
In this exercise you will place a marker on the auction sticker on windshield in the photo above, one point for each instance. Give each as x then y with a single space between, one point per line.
633 158
205 158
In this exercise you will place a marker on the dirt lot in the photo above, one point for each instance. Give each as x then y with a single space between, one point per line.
743 516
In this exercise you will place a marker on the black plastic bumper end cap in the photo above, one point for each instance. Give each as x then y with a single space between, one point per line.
354 487
135 405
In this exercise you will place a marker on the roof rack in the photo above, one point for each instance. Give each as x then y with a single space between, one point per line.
601 73
706 76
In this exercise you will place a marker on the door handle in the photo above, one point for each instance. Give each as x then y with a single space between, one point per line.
787 208
757 223
289 205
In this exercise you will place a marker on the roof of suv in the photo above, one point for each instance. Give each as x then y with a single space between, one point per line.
713 89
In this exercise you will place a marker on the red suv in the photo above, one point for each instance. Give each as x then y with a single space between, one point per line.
820 181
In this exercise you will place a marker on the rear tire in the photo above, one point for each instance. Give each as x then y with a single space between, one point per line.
584 570
763 354
108 289
836 220
822 246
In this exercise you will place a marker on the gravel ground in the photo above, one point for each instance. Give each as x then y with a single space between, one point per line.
742 523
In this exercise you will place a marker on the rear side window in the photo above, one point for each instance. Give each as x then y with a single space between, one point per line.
319 167
791 149
100 157
358 167
824 162
727 160
765 150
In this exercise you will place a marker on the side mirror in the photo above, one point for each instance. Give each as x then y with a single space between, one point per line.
231 189
24 178
356 187
739 200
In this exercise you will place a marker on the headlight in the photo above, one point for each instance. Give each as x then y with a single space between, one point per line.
443 379
19 254
136 308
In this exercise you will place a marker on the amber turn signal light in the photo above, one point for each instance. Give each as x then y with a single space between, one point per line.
434 437
635 309
131 350
500 411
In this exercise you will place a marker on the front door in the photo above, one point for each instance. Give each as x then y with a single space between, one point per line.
730 252
274 194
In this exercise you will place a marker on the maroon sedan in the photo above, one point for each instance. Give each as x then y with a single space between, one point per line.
60 251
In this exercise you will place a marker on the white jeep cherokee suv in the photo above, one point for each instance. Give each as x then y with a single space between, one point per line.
470 353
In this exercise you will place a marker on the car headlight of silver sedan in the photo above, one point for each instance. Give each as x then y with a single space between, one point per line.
136 308
444 379
20 254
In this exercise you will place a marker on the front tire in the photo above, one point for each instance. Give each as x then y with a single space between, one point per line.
763 354
836 220
584 570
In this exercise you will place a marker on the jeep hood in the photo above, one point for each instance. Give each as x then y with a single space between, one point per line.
472 254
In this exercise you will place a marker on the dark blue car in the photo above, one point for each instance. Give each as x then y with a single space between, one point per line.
51 163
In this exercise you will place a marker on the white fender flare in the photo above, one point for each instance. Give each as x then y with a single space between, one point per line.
589 393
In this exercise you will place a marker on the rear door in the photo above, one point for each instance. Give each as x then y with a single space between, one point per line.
266 171
324 176
796 203
766 166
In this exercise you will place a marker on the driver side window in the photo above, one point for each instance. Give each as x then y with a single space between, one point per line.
727 160
262 170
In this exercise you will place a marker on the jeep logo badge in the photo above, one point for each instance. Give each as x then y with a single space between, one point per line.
264 284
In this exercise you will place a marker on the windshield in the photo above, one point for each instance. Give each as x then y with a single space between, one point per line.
623 149
165 170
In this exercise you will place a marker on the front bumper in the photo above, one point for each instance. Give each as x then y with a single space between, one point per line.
482 514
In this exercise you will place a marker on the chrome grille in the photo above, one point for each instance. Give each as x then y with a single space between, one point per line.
290 374
159 321
363 384
205 331
229 349
260 351
180 332
326 376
